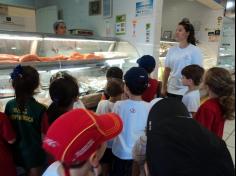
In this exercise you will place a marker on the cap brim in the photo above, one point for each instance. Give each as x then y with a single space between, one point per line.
110 125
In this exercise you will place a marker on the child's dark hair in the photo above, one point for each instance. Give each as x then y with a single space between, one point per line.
63 91
147 62
194 72
114 72
136 90
136 79
25 79
189 28
221 83
114 87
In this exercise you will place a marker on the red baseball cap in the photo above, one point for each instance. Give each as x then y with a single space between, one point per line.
74 136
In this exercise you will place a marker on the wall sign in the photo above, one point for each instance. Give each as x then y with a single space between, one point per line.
95 8
148 32
144 8
121 25
134 22
107 8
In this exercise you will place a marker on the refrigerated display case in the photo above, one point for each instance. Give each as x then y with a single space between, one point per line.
87 59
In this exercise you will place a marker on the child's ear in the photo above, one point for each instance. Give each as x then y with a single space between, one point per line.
94 160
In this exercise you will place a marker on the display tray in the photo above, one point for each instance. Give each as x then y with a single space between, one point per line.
59 64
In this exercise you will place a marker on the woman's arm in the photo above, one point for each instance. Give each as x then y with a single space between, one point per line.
165 81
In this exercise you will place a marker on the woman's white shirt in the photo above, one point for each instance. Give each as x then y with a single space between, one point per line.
177 59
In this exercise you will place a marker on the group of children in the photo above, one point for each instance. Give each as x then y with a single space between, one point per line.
77 138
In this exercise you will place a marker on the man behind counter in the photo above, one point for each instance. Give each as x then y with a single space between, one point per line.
59 27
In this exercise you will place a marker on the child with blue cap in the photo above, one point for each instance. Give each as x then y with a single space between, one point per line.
148 63
133 112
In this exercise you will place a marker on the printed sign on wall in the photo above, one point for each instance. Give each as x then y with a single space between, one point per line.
121 25
144 8
148 32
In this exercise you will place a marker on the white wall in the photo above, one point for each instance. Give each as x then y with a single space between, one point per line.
27 14
20 3
175 10
23 19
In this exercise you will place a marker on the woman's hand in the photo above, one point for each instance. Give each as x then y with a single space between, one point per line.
164 91
165 81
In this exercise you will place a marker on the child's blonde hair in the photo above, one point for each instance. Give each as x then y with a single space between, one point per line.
221 83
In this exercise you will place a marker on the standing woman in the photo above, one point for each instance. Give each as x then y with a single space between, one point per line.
178 57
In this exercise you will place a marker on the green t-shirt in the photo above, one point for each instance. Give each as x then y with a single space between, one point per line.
28 147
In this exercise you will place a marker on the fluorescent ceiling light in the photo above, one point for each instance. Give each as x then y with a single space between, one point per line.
12 37
76 40
230 4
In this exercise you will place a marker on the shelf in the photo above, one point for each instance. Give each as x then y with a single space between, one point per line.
62 64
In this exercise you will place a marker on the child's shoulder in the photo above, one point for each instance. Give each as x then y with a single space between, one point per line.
38 105
2 116
192 94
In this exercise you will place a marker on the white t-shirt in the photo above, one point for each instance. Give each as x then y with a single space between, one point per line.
192 101
134 115
105 106
53 169
177 59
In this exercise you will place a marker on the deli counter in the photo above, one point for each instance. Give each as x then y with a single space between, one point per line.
87 59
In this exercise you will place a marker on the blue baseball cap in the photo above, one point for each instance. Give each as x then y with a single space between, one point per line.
147 62
136 79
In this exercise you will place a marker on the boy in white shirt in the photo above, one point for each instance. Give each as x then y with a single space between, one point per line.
134 113
114 89
192 77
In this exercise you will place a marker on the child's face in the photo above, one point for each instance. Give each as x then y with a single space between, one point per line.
186 82
102 150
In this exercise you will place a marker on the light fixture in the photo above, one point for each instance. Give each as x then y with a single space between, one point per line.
230 4
14 37
75 40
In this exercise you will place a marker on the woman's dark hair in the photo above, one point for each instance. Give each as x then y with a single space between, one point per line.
25 79
189 28
221 83
63 91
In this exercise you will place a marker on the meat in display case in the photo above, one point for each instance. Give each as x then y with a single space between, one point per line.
87 59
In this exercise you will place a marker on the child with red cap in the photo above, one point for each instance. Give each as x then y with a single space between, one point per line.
77 140
148 63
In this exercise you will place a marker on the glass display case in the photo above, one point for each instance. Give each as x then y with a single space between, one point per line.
87 59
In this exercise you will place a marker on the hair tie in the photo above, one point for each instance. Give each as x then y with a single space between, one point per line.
17 72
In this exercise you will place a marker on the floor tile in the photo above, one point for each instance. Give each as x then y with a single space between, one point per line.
232 152
229 128
231 141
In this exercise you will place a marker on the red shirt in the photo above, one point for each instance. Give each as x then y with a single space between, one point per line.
210 116
7 134
151 91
